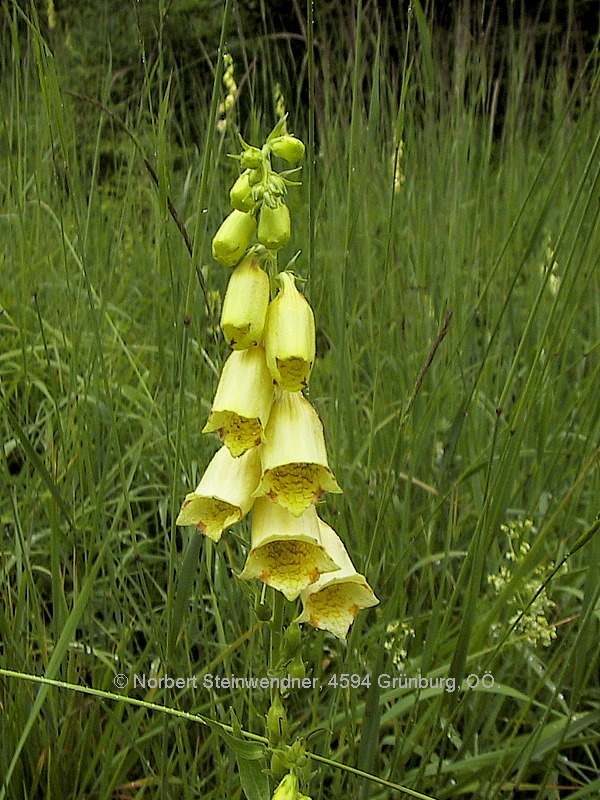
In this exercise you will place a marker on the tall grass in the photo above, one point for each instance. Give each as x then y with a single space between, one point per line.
108 363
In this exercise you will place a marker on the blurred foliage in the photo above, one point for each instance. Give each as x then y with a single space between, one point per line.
109 49
124 54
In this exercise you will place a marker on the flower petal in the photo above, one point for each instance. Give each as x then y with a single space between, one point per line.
332 602
224 494
294 459
242 401
286 551
245 304
290 336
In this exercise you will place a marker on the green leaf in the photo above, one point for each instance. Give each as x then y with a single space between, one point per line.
254 779
248 751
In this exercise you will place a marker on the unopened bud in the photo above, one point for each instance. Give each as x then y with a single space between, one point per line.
296 668
279 765
245 304
233 238
240 195
288 147
251 158
292 639
290 336
274 226
277 723
254 176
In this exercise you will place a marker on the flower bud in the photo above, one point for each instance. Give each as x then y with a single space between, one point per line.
296 754
292 639
279 765
255 176
290 336
274 226
296 668
240 194
288 147
277 722
233 238
251 157
245 305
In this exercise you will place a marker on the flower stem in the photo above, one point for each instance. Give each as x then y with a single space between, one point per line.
276 629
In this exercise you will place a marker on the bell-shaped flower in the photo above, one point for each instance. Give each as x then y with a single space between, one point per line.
242 401
287 789
233 238
274 226
332 602
294 459
290 336
286 552
224 495
245 304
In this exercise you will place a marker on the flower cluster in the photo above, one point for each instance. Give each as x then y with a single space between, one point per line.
226 106
550 265
397 634
399 176
273 460
530 618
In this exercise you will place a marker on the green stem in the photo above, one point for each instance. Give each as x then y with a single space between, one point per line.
276 629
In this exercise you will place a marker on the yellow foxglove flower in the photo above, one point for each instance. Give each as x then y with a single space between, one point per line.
290 336
286 552
334 600
245 305
274 226
287 789
242 401
294 459
233 238
224 495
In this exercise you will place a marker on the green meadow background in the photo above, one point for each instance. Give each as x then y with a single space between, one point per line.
457 377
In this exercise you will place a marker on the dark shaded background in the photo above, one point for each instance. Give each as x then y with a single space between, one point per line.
108 48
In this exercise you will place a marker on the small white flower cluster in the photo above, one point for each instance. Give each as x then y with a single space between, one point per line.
550 265
399 176
397 634
530 619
